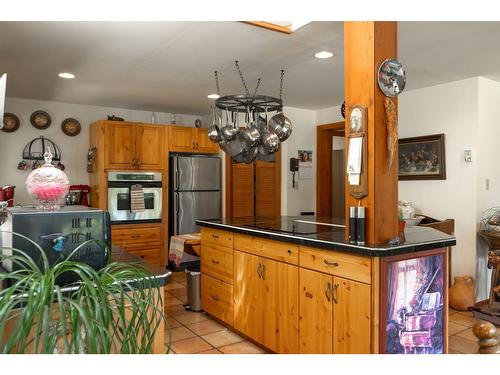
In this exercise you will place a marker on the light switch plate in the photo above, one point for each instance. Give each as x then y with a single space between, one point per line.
468 156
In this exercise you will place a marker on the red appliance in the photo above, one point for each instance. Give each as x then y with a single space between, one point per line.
7 194
82 192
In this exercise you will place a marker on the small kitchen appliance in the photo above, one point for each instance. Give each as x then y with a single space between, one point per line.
58 233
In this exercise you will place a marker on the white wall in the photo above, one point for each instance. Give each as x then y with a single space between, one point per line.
487 158
74 149
328 115
452 109
302 198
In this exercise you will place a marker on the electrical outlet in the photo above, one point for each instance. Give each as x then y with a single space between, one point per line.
487 184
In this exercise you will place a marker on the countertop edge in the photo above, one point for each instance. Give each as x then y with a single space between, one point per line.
331 245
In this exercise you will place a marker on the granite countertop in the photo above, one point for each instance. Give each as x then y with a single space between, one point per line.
328 233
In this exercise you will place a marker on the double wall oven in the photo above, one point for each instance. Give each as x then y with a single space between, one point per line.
119 188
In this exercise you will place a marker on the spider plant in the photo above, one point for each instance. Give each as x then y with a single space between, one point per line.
117 309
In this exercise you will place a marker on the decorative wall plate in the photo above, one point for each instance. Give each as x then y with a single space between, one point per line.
71 127
391 77
10 122
40 119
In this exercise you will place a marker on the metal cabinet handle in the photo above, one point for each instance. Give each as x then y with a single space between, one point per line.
263 271
328 291
197 146
136 236
215 236
215 261
138 163
194 145
308 295
334 293
335 264
259 270
215 298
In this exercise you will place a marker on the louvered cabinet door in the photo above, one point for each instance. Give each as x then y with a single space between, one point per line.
243 190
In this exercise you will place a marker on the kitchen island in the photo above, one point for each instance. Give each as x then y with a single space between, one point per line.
296 285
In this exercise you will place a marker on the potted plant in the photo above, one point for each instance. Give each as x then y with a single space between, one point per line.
114 310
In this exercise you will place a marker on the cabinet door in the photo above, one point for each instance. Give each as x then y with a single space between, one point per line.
280 316
149 147
182 138
121 145
267 198
243 190
316 312
203 143
248 295
351 316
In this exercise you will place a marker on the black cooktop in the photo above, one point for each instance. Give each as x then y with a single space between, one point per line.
296 226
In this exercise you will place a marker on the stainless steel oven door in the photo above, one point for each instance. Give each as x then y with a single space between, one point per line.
119 205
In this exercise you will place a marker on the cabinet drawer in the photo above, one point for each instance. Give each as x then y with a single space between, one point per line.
336 263
149 254
217 298
281 251
126 235
217 237
217 261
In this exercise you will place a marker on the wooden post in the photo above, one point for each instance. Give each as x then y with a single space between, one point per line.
366 46
486 333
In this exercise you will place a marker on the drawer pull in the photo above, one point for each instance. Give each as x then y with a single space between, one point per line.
308 295
216 236
215 261
289 252
328 291
335 264
136 236
215 298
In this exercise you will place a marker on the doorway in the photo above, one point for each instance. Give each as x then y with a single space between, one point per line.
330 176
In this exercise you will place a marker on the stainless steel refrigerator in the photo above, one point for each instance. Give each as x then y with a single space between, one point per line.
194 193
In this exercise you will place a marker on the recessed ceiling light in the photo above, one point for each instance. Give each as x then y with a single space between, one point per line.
66 75
213 96
323 55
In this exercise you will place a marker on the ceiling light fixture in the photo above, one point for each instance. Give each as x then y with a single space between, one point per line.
213 96
323 55
66 75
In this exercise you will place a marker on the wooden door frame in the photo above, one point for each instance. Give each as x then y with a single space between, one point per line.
324 145
229 185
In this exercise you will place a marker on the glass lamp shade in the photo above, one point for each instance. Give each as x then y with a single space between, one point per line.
48 185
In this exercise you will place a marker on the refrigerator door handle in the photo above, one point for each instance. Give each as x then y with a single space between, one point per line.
176 176
176 211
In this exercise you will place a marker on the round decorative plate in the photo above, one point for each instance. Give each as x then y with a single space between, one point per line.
40 119
71 127
391 77
10 122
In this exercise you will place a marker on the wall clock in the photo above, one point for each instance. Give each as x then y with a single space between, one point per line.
40 119
10 122
71 127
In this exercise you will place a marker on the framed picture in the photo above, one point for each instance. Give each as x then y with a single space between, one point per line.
422 158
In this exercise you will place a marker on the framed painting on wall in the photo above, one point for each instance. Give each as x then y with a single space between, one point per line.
422 158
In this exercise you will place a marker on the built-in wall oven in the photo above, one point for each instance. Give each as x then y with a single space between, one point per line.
119 197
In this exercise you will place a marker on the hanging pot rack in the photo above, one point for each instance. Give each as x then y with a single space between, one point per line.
249 102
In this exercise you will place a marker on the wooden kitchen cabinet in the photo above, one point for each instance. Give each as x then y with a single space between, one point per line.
266 301
351 317
134 146
144 240
188 139
334 314
316 312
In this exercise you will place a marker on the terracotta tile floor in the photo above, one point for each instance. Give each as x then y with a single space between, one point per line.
198 333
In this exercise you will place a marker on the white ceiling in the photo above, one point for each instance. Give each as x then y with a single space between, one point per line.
168 66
